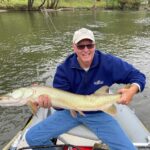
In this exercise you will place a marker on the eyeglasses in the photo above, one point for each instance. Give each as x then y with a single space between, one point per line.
82 47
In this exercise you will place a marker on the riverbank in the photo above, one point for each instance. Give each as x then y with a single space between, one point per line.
70 5
23 5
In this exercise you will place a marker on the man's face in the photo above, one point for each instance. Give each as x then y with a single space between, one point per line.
85 50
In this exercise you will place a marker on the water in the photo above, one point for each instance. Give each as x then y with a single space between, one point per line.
33 44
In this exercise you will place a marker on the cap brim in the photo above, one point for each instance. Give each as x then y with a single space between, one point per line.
82 38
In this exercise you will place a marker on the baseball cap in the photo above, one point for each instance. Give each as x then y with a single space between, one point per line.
81 34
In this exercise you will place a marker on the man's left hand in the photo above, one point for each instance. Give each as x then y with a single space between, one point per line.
127 94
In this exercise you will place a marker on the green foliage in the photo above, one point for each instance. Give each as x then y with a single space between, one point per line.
62 3
109 4
17 4
129 4
112 4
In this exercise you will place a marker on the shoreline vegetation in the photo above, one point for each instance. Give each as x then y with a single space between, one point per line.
66 5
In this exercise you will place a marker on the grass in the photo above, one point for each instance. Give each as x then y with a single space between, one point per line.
109 4
80 3
18 4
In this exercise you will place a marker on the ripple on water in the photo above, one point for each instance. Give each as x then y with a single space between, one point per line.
31 53
16 117
98 24
36 48
140 51
144 22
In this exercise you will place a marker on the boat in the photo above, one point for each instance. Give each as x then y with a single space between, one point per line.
81 138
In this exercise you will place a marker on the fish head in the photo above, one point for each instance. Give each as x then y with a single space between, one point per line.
16 97
21 93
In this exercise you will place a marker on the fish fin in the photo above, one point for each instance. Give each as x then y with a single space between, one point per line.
81 113
73 113
33 107
112 110
103 90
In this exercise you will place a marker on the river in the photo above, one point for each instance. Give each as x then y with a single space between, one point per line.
32 44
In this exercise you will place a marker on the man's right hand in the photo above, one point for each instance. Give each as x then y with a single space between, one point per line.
43 101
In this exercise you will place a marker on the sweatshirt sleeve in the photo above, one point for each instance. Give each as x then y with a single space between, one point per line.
127 74
60 79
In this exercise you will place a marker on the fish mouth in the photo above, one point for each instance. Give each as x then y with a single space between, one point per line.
2 97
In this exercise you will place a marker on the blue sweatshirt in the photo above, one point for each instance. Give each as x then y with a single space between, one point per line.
105 69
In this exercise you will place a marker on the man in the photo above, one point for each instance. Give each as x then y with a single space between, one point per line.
83 72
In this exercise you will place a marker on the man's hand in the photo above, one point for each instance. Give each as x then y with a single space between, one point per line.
127 94
44 101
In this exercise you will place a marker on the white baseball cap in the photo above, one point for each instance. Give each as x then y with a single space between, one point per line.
81 34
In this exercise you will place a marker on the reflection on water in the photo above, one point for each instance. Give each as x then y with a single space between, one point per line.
32 45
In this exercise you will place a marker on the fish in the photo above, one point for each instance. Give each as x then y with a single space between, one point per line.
100 100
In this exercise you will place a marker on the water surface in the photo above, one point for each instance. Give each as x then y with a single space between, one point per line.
33 44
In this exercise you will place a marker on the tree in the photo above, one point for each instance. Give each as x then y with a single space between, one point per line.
129 4
149 3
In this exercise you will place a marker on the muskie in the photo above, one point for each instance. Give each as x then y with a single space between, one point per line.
100 100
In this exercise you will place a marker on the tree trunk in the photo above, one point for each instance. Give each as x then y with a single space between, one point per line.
54 4
42 4
30 4
48 3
